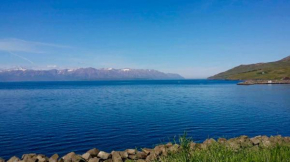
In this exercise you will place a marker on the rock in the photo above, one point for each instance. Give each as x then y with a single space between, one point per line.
173 148
2 160
42 158
192 145
161 149
141 160
116 157
141 155
151 157
86 156
103 155
72 157
222 140
108 160
13 159
53 158
207 143
245 142
29 158
132 157
124 154
93 152
95 159
233 144
60 160
169 144
131 151
147 150
256 140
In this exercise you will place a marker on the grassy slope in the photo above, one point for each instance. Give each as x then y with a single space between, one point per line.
220 153
271 70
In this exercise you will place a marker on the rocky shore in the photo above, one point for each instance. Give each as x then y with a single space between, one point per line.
153 154
252 82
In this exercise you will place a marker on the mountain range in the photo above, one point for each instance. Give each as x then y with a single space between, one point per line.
83 74
261 71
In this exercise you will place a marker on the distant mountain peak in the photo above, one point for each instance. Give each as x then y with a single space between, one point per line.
88 74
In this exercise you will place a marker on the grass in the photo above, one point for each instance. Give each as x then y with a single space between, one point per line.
220 153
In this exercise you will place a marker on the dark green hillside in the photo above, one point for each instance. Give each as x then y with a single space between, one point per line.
272 70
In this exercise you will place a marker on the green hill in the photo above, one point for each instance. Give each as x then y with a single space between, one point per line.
264 71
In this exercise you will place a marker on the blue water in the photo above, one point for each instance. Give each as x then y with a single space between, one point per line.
60 117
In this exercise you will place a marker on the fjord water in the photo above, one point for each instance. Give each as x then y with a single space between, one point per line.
60 117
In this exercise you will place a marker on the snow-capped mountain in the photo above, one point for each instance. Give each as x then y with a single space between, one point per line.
22 74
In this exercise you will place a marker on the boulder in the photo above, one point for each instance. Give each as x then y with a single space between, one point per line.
108 160
103 155
141 160
222 140
256 140
192 145
93 152
169 144
233 144
95 159
29 158
147 150
86 156
131 151
2 160
13 159
173 148
72 157
133 157
53 158
124 154
207 143
116 157
151 157
42 158
141 155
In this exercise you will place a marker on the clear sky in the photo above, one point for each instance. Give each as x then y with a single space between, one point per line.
193 38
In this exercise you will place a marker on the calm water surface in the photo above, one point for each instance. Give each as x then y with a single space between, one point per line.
60 117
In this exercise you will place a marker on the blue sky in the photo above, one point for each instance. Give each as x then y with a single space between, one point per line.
193 38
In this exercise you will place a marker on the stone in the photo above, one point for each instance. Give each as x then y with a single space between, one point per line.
108 160
131 151
256 140
42 158
93 152
169 144
173 148
103 155
29 158
151 157
95 159
141 160
116 157
60 160
72 157
53 158
233 144
222 140
141 155
86 156
132 157
147 150
207 143
124 154
2 160
13 159
192 145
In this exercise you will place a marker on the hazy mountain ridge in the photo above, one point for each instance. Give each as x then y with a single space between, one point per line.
271 70
80 74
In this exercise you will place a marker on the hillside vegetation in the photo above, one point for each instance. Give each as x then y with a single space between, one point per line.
272 70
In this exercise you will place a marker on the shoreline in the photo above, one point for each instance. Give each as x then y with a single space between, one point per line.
253 82
156 153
